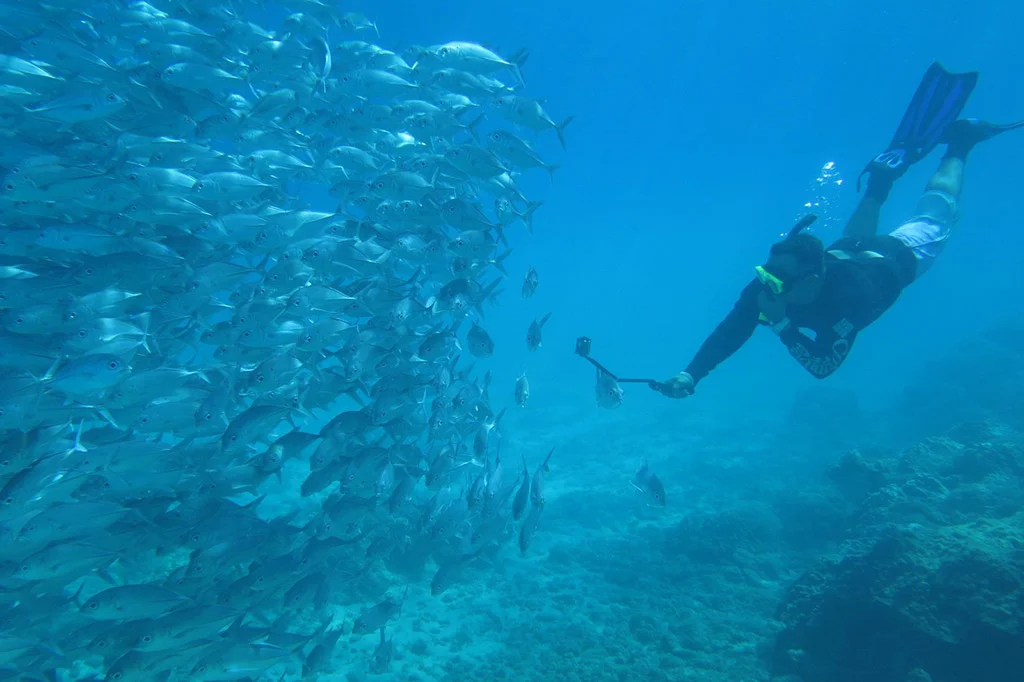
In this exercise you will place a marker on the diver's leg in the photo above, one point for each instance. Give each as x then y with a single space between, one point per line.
937 211
864 221
961 137
949 176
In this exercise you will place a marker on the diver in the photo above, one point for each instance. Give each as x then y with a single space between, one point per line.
817 299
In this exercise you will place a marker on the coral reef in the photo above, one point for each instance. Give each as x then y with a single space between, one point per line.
929 583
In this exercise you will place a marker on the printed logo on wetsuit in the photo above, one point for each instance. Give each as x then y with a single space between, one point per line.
822 366
843 328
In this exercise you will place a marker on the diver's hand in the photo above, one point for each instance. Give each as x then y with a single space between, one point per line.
679 386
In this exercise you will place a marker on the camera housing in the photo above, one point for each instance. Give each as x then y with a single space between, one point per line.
583 346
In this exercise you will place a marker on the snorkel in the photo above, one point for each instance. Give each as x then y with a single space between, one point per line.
797 245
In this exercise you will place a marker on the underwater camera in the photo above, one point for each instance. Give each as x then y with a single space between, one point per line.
583 346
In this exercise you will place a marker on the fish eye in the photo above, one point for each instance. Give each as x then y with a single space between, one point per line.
82 333
200 186
116 675
111 97
147 639
94 605
9 187
113 364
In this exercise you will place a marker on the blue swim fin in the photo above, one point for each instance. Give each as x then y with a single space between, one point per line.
939 99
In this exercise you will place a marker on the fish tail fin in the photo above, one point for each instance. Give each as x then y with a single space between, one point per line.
527 215
471 127
105 573
551 168
49 373
143 322
76 597
543 320
544 465
499 261
78 447
518 59
493 298
560 129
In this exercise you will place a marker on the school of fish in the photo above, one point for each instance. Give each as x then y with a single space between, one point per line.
232 251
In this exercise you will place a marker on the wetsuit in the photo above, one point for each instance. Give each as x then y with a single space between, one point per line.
863 278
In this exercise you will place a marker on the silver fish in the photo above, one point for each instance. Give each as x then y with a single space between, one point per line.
608 391
647 483
237 249
534 338
479 342
530 282
522 390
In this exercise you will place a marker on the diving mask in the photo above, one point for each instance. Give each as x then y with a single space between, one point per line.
774 284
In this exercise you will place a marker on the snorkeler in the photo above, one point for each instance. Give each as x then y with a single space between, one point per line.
836 292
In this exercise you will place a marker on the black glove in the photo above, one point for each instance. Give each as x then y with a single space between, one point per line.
679 386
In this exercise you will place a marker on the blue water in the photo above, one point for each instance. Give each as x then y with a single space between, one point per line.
698 130
699 127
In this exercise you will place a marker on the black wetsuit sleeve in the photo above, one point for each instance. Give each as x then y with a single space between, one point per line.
822 355
729 336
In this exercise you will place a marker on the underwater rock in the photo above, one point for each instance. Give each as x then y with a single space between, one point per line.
716 537
977 431
978 461
932 455
940 598
812 518
855 477
918 675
